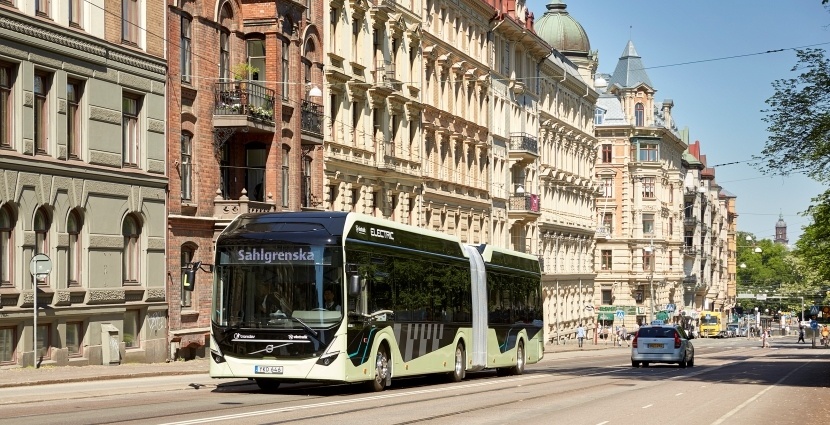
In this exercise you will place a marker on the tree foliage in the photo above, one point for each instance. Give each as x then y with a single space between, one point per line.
813 248
799 119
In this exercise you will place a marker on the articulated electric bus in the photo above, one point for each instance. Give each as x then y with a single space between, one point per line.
343 297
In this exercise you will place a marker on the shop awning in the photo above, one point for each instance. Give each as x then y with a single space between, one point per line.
609 317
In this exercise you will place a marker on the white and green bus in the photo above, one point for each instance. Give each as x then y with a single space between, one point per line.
344 297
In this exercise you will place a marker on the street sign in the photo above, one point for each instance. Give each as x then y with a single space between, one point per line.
761 297
620 314
814 310
670 308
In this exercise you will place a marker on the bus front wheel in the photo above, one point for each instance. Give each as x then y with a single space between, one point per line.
520 360
382 376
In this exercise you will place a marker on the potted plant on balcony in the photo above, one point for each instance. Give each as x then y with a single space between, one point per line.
243 71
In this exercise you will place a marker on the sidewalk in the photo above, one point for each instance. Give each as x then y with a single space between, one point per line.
24 376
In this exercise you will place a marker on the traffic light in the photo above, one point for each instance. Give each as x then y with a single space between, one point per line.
189 276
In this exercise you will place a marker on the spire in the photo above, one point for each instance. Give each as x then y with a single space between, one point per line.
630 71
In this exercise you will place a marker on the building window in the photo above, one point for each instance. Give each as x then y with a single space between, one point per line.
75 13
648 224
639 115
6 109
74 92
671 226
599 116
648 260
607 187
355 199
74 338
41 228
286 75
130 107
648 152
74 251
333 189
131 338
44 341
376 211
306 183
648 187
256 59
131 231
224 56
187 255
357 24
185 49
43 8
334 16
7 222
185 171
606 297
286 176
606 259
608 222
606 154
43 82
129 21
8 345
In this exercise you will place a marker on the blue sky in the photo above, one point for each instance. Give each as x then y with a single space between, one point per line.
720 101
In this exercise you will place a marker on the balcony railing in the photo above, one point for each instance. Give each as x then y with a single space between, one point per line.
524 142
312 117
526 202
243 98
385 75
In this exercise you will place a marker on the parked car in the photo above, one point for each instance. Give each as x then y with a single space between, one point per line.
662 344
732 328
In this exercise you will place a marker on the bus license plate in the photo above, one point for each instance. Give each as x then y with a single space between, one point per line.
273 370
655 346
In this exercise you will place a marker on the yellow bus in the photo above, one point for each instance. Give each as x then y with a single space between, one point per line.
710 323
345 297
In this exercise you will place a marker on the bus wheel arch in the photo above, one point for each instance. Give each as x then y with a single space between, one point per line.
521 359
381 369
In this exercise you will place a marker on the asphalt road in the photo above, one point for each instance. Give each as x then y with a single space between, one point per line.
733 381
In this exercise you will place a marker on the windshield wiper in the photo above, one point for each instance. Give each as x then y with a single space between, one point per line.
308 328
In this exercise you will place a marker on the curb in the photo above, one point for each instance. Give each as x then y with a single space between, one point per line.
99 378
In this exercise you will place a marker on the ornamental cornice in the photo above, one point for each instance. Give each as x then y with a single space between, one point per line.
71 42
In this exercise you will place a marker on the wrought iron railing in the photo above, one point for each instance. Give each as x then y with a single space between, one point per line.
524 142
312 117
243 98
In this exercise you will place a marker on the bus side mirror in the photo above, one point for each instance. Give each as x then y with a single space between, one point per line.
354 285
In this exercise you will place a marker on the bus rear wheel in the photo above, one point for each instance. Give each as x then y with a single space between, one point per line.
520 360
267 385
460 368
381 370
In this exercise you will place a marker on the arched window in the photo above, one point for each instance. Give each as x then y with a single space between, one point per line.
7 222
131 231
74 224
185 170
639 115
41 229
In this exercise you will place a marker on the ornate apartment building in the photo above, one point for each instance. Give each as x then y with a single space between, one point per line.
709 223
457 117
639 241
245 133
83 165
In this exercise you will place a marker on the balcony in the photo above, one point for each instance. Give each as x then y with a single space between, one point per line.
385 77
228 209
243 104
523 147
691 251
603 232
524 207
689 221
312 123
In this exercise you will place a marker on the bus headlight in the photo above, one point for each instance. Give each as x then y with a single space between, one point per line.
215 352
329 355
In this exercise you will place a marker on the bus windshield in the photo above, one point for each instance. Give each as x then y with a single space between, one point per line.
278 286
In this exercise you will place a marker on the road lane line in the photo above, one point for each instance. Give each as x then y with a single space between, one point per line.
678 394
647 406
723 418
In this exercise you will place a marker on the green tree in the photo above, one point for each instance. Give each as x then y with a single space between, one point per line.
799 119
813 249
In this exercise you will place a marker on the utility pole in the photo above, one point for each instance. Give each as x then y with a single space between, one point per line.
651 281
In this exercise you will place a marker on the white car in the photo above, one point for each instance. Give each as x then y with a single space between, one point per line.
662 344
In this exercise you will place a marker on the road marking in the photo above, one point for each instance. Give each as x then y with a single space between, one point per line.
678 394
732 412
647 406
602 423
356 400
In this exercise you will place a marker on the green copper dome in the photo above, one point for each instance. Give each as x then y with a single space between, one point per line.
562 31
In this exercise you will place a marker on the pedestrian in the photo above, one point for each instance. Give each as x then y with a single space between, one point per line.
580 335
765 338
624 336
801 334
